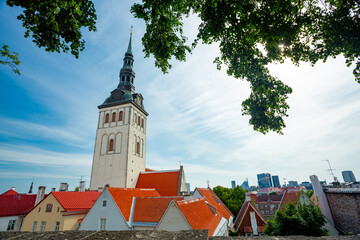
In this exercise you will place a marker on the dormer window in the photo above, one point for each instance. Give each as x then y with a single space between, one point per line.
107 118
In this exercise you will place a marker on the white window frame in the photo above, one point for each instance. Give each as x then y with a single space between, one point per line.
11 225
42 226
57 226
102 224
34 226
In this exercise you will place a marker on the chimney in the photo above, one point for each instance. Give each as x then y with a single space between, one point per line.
53 189
247 197
63 187
100 189
40 194
82 186
13 188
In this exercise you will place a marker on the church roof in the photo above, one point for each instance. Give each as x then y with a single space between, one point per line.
123 197
215 201
200 214
16 204
76 201
165 182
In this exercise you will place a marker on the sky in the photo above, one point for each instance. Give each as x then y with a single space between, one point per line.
49 114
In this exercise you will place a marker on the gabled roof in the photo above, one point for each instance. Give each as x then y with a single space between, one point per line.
18 204
215 201
200 214
10 192
290 196
123 197
269 198
76 201
150 209
243 220
165 182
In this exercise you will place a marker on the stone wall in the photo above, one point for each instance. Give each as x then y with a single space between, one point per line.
153 235
345 209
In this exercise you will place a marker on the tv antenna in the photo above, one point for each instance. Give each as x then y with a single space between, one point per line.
331 171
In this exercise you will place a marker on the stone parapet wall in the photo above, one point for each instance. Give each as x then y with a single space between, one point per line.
153 235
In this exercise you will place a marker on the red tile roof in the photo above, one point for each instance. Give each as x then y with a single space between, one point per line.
76 201
13 205
243 219
215 201
199 213
151 209
165 182
123 197
10 192
290 196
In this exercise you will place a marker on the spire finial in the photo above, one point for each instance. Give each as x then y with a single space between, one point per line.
129 51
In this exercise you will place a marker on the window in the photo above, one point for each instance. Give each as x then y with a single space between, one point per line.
123 79
135 118
57 226
102 223
120 116
139 120
107 118
42 226
11 225
128 79
113 117
34 226
132 80
111 145
104 203
39 209
142 122
137 147
48 207
58 209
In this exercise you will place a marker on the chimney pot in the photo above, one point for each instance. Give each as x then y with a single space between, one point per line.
40 194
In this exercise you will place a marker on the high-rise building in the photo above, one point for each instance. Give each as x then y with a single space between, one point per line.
119 154
275 181
348 176
264 180
233 184
293 184
245 185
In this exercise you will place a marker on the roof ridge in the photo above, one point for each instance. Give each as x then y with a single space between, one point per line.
160 171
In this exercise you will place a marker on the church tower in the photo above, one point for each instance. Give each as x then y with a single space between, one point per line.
119 154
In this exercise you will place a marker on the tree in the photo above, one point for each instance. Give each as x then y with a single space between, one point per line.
56 25
10 59
233 198
302 219
253 34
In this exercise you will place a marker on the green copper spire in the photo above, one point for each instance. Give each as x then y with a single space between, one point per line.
129 51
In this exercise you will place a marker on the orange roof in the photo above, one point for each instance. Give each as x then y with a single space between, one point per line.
151 209
76 201
123 197
148 170
165 182
215 201
200 214
10 192
292 196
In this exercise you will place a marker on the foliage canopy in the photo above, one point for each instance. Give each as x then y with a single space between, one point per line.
303 219
253 34
233 198
10 58
56 25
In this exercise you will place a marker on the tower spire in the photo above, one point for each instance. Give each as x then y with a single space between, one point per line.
129 50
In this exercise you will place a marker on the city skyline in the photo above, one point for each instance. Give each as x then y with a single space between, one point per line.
48 114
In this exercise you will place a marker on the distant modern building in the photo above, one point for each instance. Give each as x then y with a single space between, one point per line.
348 176
233 184
245 185
307 185
293 184
275 181
264 180
188 188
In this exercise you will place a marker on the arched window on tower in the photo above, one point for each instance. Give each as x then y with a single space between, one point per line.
121 116
107 118
113 119
132 80
139 120
137 147
123 79
135 118
111 145
128 79
142 123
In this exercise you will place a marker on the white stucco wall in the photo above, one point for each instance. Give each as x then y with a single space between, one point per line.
120 167
173 219
221 229
4 222
114 219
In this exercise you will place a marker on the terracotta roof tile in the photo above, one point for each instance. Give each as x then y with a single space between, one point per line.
151 209
165 182
292 196
76 201
123 197
199 214
10 192
215 201
12 205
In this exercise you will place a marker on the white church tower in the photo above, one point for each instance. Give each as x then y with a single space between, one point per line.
119 154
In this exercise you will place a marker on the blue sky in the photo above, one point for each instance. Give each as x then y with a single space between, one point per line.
48 115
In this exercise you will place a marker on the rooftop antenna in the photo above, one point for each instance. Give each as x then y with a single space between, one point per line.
331 171
208 182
